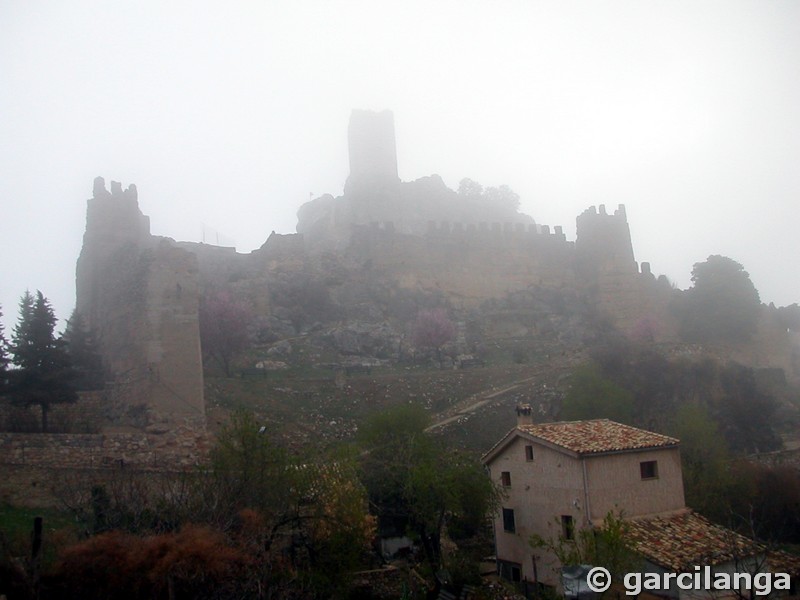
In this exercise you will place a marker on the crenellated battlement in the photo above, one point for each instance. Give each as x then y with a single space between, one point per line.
446 228
465 231
115 216
600 211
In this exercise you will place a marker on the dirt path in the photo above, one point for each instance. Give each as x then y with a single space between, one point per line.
476 401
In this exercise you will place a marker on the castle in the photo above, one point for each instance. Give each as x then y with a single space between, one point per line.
140 293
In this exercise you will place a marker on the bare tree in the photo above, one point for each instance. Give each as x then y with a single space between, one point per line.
224 323
432 330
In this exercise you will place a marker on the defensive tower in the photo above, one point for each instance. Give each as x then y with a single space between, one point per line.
139 294
373 151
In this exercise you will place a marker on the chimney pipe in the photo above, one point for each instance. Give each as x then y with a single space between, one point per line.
524 415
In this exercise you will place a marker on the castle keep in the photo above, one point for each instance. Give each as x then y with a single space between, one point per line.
373 152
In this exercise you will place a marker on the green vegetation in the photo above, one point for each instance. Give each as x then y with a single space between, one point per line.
602 546
44 374
39 370
16 530
501 199
16 523
729 392
722 306
720 413
709 482
259 517
83 353
4 359
416 482
591 396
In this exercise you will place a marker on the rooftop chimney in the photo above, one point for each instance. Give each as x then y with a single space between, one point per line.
524 415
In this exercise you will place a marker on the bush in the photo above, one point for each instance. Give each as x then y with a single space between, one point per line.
196 562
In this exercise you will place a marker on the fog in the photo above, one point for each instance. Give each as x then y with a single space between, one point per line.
229 118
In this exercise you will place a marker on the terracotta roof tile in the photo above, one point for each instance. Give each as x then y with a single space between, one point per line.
600 435
680 541
783 562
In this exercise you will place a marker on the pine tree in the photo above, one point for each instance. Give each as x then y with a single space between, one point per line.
21 337
4 360
83 354
44 375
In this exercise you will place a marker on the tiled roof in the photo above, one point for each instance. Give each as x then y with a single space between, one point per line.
600 435
680 541
782 562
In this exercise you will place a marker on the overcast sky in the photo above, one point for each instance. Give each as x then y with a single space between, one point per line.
227 116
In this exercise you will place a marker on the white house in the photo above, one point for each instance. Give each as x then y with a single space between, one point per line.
561 477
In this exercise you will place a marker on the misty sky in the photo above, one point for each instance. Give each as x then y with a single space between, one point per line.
228 115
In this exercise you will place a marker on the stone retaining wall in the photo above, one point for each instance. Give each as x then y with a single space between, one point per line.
87 415
175 449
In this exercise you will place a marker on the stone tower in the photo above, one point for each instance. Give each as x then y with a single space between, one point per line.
373 152
603 242
139 295
605 263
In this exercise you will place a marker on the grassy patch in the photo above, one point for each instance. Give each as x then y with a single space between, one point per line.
16 527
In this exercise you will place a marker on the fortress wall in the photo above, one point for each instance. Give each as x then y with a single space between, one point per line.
217 265
285 249
172 340
144 314
471 264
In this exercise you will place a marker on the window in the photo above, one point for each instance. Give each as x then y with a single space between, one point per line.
649 469
528 452
515 573
508 520
567 527
509 571
505 478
